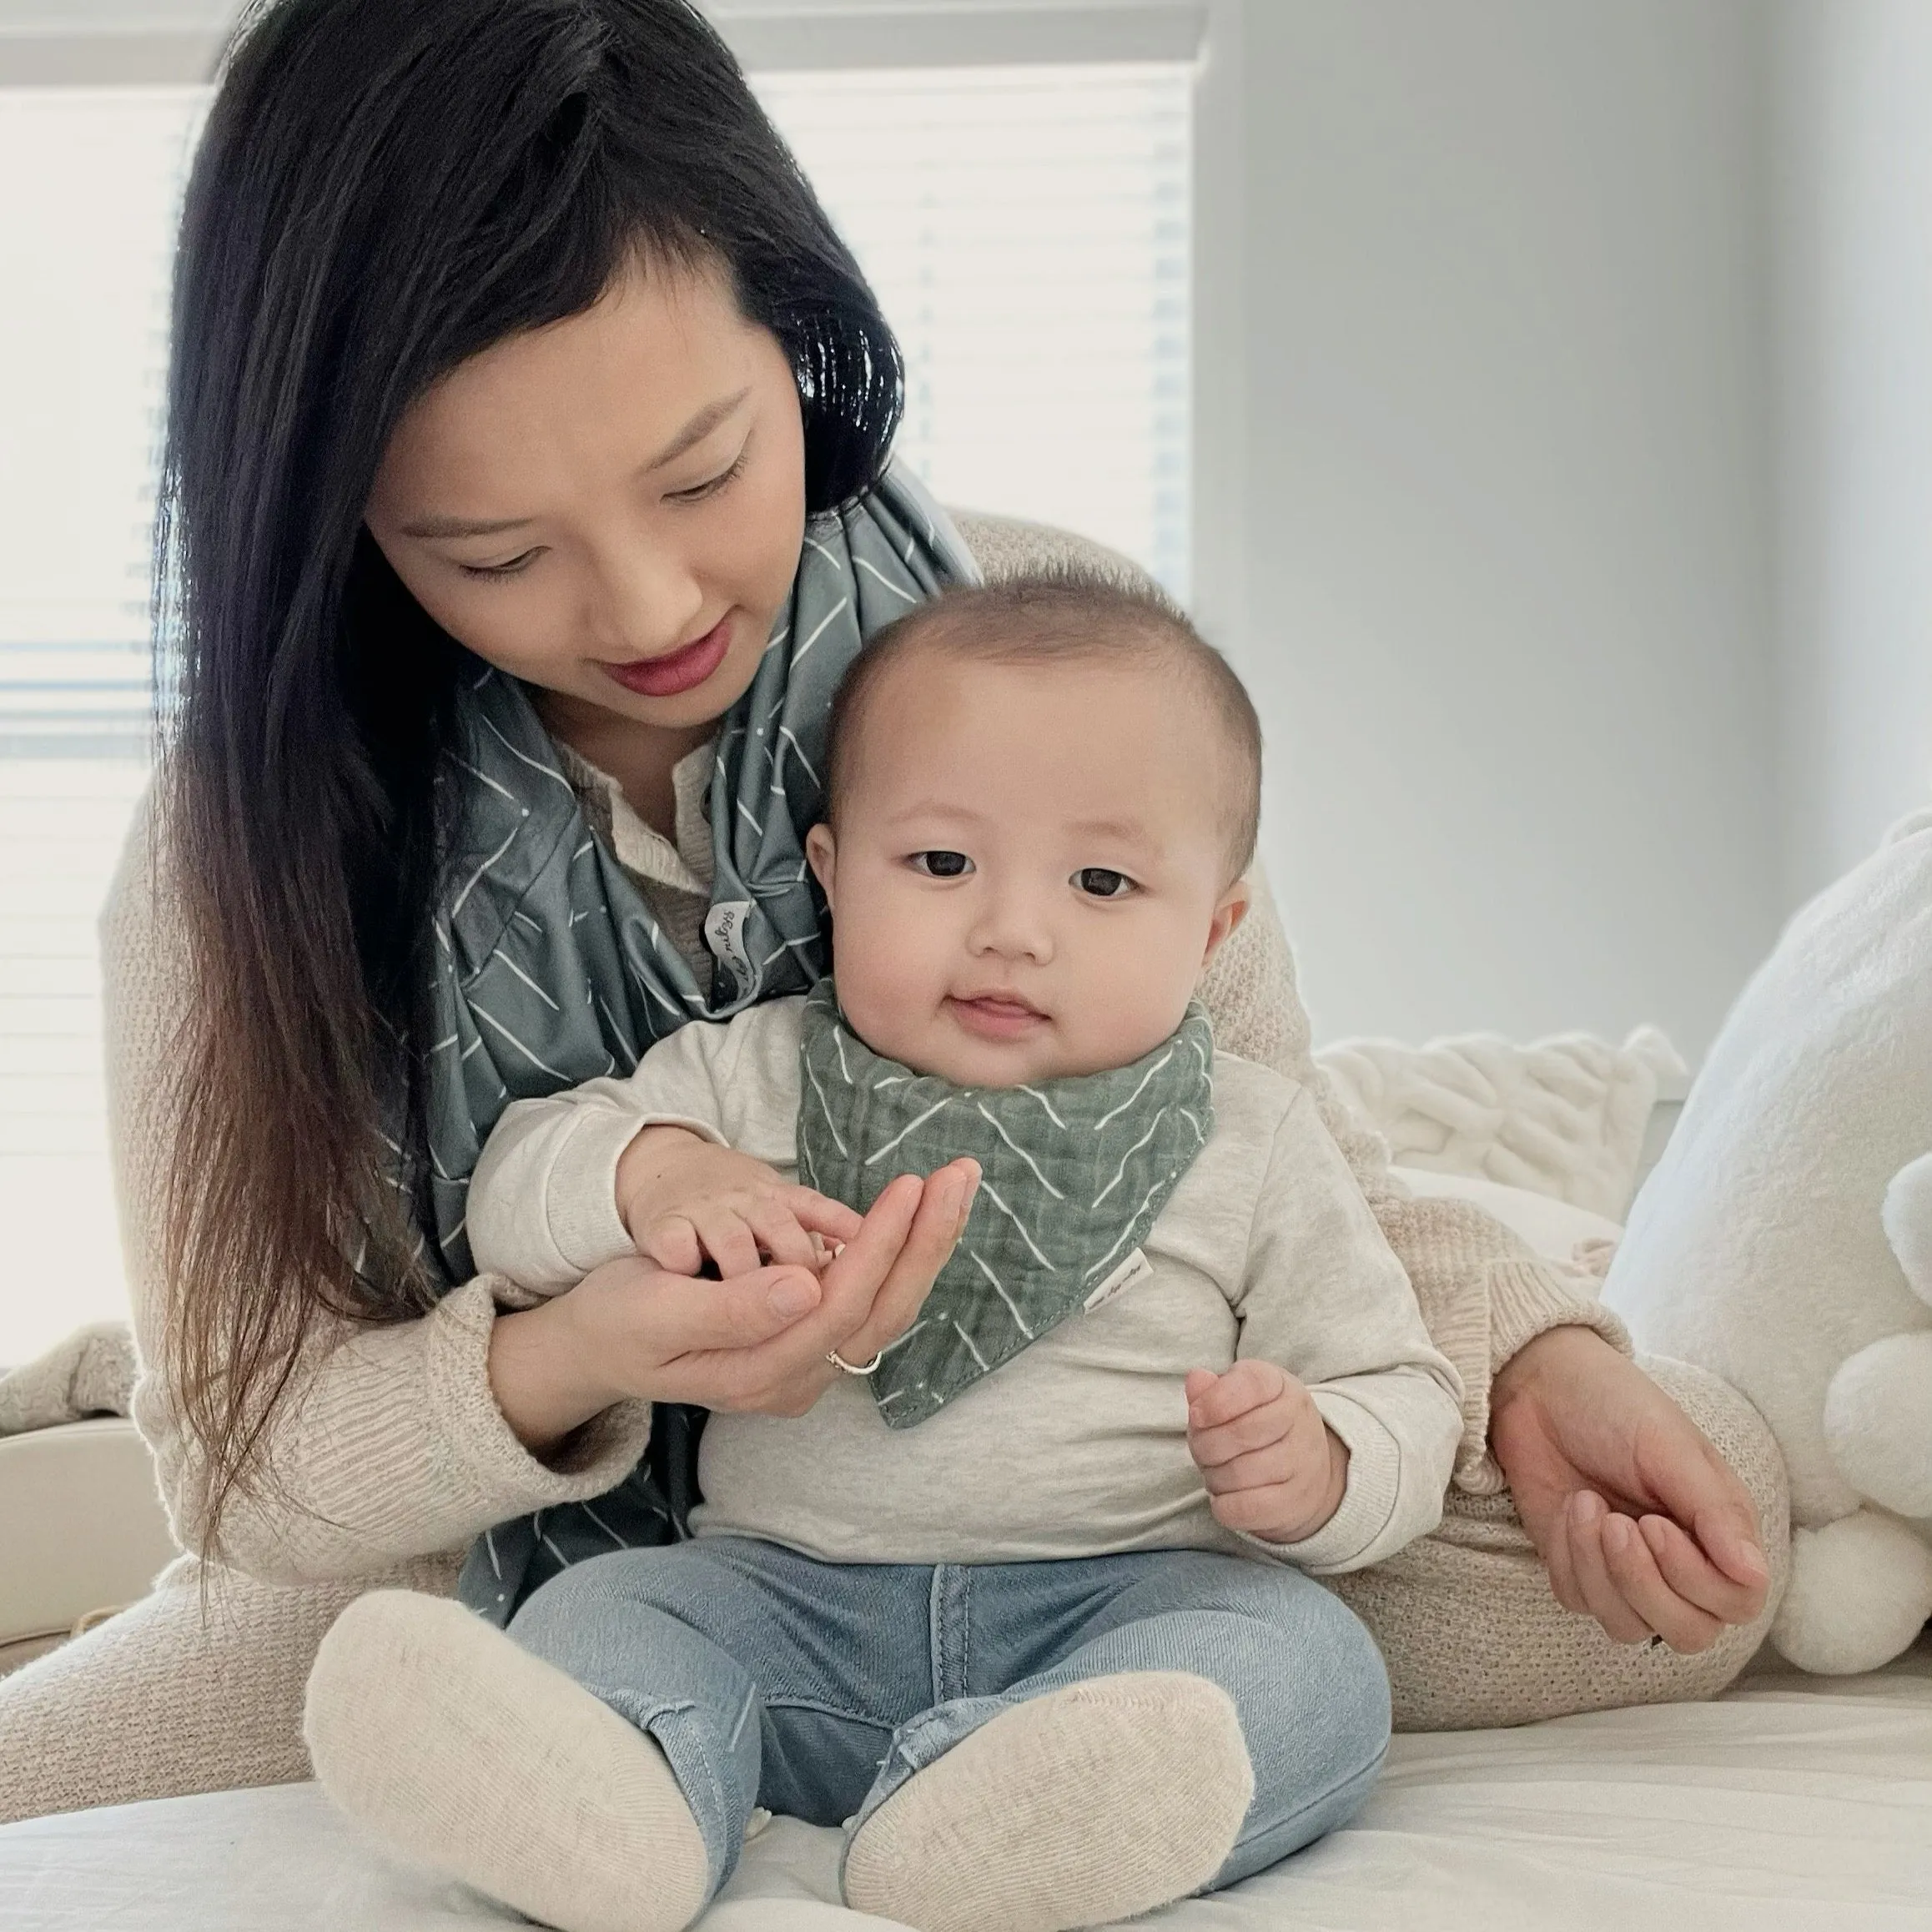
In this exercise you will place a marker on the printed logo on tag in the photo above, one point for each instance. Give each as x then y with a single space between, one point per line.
724 932
1135 1268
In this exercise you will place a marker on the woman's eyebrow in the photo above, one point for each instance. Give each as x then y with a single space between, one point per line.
444 529
700 426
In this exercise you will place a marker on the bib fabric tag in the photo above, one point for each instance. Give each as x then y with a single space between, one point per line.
1135 1268
724 932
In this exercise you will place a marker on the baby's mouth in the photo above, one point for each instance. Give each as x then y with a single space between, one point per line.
996 1015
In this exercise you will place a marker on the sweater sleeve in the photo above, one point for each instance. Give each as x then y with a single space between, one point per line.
1325 1299
543 1200
1484 1293
389 1444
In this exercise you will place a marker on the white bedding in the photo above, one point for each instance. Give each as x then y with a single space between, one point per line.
1798 1803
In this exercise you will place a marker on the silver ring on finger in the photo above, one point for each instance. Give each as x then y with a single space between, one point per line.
838 1361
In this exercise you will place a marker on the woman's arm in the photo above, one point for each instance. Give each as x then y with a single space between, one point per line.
393 1443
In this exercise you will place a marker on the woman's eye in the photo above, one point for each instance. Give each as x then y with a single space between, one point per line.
698 492
515 567
942 864
1097 881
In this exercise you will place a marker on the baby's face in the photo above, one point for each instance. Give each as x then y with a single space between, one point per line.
1029 869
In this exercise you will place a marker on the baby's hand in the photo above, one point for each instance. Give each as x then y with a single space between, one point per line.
1272 1466
685 1200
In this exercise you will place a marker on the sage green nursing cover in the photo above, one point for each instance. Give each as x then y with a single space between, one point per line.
550 968
1074 1173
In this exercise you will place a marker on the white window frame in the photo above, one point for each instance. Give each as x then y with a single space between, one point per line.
43 45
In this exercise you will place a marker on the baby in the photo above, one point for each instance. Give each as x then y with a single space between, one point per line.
1026 1599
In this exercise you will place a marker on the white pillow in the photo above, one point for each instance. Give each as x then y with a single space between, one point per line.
1563 1117
1558 1232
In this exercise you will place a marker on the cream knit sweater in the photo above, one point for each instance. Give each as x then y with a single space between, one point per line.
393 1455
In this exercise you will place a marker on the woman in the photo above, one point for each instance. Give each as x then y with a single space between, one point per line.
522 392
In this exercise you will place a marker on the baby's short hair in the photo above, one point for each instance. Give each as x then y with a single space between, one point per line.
1070 613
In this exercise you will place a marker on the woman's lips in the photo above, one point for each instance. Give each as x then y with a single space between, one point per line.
683 669
996 1018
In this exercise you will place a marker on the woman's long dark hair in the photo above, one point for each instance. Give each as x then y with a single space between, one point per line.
384 189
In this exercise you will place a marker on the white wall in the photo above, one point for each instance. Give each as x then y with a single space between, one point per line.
1854 82
1507 586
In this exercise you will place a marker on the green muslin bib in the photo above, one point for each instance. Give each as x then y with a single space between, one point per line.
1074 1173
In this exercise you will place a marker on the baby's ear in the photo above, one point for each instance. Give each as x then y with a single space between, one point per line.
1229 913
821 854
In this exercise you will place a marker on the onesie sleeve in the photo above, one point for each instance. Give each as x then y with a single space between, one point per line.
543 1200
1325 1297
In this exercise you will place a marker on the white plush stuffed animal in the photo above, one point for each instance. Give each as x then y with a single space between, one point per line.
1785 1243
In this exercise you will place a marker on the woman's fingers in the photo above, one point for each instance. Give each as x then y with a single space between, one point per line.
1634 1571
930 1236
1585 1518
1699 1490
1554 1550
684 1322
1684 1566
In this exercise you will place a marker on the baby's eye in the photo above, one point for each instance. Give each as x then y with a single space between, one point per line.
1099 883
942 864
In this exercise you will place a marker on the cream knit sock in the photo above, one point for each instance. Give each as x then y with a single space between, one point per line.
459 1749
1088 1804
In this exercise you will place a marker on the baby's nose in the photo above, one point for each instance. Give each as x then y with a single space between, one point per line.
1013 926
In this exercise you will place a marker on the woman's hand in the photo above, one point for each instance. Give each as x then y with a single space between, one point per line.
758 1341
1640 1522
686 1200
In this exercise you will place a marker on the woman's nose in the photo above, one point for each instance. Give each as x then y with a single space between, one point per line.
648 601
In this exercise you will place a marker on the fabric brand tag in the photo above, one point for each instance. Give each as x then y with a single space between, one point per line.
1135 1268
724 932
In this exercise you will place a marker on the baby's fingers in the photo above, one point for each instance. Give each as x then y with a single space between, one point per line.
782 1237
1259 1428
819 1214
1245 1385
730 1240
674 1245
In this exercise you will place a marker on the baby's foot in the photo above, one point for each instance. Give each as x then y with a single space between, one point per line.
1087 1805
457 1747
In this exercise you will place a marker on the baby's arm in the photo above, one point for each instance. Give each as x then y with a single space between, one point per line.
1329 1331
679 1162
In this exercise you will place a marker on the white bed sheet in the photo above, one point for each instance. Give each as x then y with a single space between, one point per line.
1798 1803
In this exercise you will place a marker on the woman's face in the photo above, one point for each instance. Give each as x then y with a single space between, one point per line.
611 507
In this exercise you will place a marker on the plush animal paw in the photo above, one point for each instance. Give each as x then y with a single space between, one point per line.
1878 1422
1908 1216
1860 1590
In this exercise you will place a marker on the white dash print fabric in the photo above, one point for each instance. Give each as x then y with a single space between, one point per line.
1074 1173
550 969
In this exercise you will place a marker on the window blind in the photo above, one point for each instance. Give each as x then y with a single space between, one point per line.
1026 229
92 177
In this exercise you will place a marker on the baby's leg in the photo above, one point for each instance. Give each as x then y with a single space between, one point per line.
1123 1731
596 1767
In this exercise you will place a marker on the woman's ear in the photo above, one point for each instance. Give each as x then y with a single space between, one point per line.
1228 914
820 853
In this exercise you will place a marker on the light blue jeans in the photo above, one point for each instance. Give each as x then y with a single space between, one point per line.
816 1689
